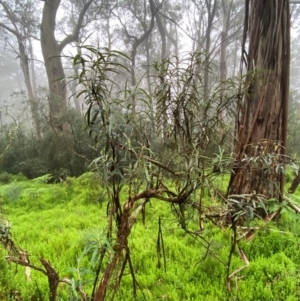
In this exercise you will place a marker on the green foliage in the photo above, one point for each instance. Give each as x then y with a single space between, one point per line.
43 179
65 224
55 153
6 178
53 227
176 160
179 250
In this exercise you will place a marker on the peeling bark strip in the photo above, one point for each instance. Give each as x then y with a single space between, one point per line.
262 125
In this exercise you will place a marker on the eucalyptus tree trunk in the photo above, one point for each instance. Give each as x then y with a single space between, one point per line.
262 124
53 64
226 6
24 61
32 99
211 11
151 104
137 41
73 84
172 39
52 58
32 68
34 104
162 33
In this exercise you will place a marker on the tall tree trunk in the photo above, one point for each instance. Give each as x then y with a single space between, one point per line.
224 36
262 126
109 37
162 33
212 9
32 100
137 41
171 39
32 68
72 87
235 58
74 83
53 64
51 52
151 104
24 61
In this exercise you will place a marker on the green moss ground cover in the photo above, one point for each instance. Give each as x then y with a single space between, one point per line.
57 222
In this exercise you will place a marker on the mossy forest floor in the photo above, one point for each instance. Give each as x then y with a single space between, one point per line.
58 221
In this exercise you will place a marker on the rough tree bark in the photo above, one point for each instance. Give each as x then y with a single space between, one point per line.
262 124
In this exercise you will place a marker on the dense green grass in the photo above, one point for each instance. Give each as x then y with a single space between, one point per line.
56 222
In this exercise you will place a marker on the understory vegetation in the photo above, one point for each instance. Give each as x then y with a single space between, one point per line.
66 224
154 219
142 175
55 152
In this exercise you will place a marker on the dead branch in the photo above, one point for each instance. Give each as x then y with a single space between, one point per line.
25 264
294 207
53 279
237 271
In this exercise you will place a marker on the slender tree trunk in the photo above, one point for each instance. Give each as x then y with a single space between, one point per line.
32 100
212 9
152 105
235 59
295 183
262 126
224 35
109 41
74 83
32 68
24 61
73 90
162 33
136 43
172 40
